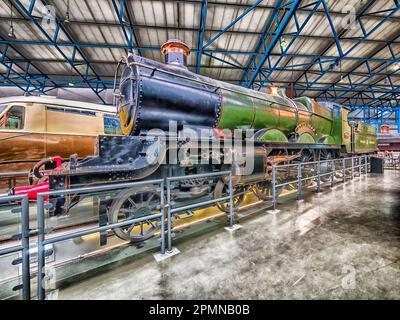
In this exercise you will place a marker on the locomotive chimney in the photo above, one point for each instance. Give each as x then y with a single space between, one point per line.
175 52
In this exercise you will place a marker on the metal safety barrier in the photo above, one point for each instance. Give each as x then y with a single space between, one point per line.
11 178
172 210
167 208
23 247
43 241
392 162
362 166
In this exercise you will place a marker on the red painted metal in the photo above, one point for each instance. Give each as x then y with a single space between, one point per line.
32 191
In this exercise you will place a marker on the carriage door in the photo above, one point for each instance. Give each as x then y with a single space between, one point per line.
21 137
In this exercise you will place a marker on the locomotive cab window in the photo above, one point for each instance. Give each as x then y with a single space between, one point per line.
111 125
13 118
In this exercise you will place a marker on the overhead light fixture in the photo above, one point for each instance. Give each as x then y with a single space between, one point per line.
396 66
67 13
11 33
70 82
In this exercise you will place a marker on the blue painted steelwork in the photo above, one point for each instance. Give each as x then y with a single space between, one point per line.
7 62
261 41
284 50
132 34
232 23
360 41
281 25
259 68
203 17
27 11
377 115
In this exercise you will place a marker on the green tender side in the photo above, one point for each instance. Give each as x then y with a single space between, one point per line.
365 139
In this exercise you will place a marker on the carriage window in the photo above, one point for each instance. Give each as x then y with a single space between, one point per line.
71 110
13 119
2 107
111 125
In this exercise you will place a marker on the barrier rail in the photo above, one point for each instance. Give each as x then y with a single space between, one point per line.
197 204
392 162
42 241
23 247
315 170
363 164
11 177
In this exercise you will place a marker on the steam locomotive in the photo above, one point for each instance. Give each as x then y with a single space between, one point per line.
175 101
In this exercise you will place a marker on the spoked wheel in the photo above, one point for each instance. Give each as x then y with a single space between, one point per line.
310 170
221 189
263 189
135 203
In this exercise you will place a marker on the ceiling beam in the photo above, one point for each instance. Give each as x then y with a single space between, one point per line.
281 26
202 27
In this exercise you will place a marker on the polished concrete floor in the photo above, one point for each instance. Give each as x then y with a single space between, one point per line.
342 244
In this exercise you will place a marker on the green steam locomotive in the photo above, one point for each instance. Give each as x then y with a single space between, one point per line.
152 95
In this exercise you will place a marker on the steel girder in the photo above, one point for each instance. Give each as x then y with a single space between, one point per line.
258 70
120 11
278 32
376 116
27 11
203 17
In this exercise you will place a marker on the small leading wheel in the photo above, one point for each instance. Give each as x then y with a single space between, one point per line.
263 190
221 189
135 203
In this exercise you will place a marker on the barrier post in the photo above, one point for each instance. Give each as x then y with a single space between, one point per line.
344 170
26 277
299 181
318 177
273 187
40 247
230 201
352 167
169 223
162 209
332 173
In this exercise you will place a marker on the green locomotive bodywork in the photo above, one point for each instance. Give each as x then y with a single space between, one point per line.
364 138
276 118
152 90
